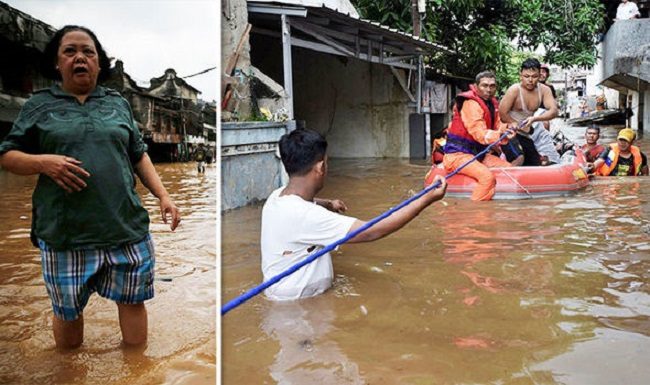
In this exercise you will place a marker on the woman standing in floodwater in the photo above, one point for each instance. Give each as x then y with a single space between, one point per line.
88 220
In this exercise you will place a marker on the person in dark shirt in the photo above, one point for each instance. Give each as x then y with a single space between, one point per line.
521 151
544 74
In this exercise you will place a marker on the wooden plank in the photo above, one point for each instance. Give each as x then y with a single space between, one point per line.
232 60
310 30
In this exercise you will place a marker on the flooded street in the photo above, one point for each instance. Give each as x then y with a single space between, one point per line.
182 342
544 291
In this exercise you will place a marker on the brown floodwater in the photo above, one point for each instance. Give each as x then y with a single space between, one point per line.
182 315
544 291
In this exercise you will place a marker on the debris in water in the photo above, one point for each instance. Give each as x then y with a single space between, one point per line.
363 310
306 345
376 269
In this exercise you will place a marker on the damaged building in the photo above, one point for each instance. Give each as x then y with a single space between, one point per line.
169 113
22 41
316 64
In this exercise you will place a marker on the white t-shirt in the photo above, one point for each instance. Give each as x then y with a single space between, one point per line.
293 228
627 11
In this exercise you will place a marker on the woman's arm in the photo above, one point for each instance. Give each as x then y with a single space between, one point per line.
149 177
63 170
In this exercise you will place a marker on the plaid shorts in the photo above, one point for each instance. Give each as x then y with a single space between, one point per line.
123 274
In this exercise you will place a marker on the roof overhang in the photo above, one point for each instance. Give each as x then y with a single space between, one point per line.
329 31
625 82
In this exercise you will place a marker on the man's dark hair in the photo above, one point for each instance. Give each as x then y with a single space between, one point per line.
485 74
50 54
531 64
300 150
593 127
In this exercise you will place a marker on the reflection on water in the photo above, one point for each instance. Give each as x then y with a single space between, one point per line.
546 291
182 344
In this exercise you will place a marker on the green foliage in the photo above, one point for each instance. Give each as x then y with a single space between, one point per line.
492 34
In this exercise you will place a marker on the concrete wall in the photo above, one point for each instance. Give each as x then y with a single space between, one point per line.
250 168
646 111
626 51
626 65
358 106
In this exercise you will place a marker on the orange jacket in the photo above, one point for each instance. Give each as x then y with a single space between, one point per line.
612 160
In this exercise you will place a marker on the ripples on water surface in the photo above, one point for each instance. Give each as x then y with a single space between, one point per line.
181 348
546 291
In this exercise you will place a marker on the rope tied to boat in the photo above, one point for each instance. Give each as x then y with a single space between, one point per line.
312 257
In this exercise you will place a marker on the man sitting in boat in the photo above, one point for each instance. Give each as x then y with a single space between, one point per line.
476 124
591 148
622 158
544 153
521 101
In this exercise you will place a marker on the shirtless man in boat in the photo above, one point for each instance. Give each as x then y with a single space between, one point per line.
520 103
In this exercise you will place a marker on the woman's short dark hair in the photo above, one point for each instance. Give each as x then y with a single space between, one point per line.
50 54
300 150
531 64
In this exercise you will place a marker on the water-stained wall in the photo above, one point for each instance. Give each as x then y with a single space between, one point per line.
359 106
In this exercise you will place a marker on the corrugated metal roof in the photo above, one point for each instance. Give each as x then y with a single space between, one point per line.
329 9
342 6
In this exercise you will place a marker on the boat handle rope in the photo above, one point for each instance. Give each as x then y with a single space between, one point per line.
312 257
503 170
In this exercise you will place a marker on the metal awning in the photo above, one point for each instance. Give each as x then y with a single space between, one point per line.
329 31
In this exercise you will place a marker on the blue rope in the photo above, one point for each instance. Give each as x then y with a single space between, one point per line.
312 257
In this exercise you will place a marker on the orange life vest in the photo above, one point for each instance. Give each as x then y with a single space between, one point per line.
458 139
612 160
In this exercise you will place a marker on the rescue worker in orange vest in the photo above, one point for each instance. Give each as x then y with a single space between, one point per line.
622 158
476 124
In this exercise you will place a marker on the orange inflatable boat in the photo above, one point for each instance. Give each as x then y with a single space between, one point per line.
522 182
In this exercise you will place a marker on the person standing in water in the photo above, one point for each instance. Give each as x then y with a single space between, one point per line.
88 220
295 223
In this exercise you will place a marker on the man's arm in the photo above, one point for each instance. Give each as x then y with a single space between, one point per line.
65 171
601 159
474 122
149 177
400 218
507 103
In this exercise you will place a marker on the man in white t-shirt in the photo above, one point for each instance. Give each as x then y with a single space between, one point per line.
295 223
627 10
